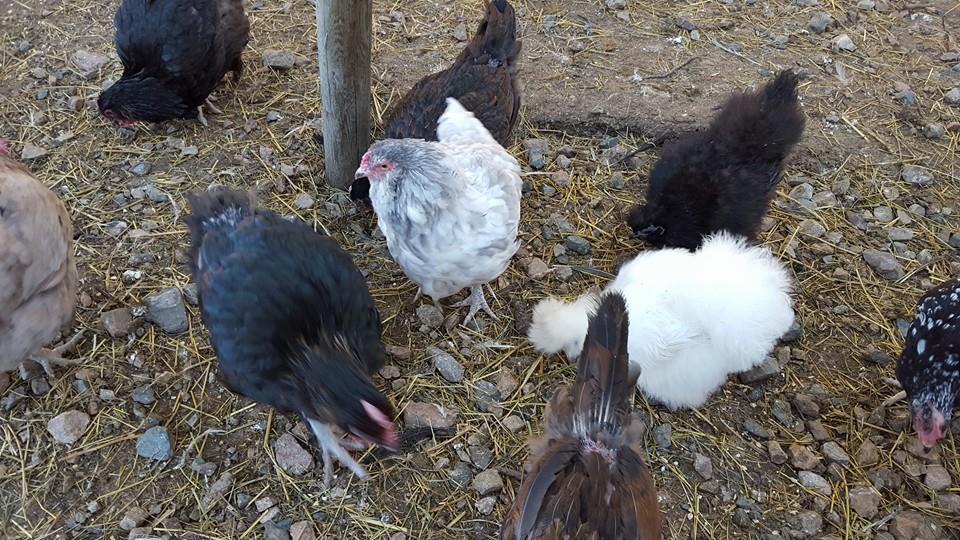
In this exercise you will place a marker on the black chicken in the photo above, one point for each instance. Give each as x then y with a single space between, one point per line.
722 179
174 54
929 366
292 321
483 79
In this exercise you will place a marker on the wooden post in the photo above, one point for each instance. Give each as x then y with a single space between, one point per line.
344 30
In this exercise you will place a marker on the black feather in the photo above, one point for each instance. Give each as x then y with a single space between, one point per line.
722 179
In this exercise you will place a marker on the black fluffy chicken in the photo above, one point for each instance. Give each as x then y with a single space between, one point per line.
174 54
722 179
292 321
929 366
483 79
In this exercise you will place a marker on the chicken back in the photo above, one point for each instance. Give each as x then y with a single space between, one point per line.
291 320
483 79
38 274
174 54
587 478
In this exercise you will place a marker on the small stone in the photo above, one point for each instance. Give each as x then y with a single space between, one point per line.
138 533
812 228
769 368
815 482
806 406
506 382
143 395
461 474
868 454
155 444
202 467
754 428
273 116
272 531
303 201
916 175
487 482
810 522
934 131
899 234
777 455
418 414
703 466
865 501
133 518
302 530
937 478
913 525
429 315
460 33
834 453
31 151
536 153
842 43
884 264
445 364
514 423
536 268
279 59
117 322
218 489
819 22
793 334
68 427
663 435
165 309
802 457
292 457
89 62
485 505
952 97
577 244
616 4
816 429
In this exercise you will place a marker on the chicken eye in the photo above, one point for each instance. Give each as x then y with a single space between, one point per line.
384 166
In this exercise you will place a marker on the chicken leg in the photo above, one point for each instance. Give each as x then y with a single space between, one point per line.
331 450
476 301
47 358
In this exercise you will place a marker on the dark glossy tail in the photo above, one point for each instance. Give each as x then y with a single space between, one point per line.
496 39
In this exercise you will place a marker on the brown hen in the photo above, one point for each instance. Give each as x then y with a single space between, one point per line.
587 479
38 275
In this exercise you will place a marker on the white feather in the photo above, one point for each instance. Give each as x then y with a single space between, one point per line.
694 317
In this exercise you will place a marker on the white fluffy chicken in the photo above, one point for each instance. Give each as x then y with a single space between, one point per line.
695 317
450 208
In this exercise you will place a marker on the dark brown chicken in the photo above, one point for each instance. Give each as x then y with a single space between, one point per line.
38 275
587 479
483 79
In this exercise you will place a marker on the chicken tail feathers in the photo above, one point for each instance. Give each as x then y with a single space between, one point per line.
495 42
603 383
219 208
761 127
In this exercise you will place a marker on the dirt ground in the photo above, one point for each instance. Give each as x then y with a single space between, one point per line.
598 81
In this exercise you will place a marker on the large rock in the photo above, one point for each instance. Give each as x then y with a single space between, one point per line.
68 427
883 264
292 457
165 309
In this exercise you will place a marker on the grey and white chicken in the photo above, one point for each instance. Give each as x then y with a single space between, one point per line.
450 208
38 275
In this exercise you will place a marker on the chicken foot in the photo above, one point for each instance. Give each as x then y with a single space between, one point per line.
209 105
47 358
902 394
476 301
331 450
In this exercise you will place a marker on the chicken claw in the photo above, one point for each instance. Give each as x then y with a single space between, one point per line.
47 358
476 301
332 450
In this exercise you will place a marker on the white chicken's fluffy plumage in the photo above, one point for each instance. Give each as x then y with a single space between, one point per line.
695 317
450 209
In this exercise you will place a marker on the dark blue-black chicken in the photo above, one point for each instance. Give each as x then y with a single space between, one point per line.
291 320
929 366
483 79
174 54
722 179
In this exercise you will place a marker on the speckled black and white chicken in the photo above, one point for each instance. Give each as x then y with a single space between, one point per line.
929 365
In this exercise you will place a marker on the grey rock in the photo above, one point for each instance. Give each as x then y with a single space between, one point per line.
868 454
857 220
916 175
292 457
934 130
754 428
884 264
812 228
486 505
141 169
31 151
155 444
802 457
820 22
67 427
793 334
952 97
684 24
816 429
899 234
810 522
536 268
115 228
815 482
842 43
446 365
913 525
781 411
201 467
419 414
272 531
191 294
616 4
883 213
703 465
133 518
460 32
802 191
480 456
769 368
279 59
937 478
487 395
143 395
825 199
429 315
536 153
906 96
461 474
834 453
954 240
273 116
303 201
806 406
117 322
514 423
865 501
577 244
776 453
89 62
663 434
302 530
487 482
165 309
